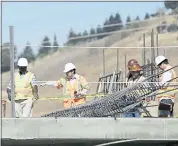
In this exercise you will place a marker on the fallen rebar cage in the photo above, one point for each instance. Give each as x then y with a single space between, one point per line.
112 104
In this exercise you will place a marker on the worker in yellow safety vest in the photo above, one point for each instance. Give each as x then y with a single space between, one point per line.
26 91
135 77
75 87
167 99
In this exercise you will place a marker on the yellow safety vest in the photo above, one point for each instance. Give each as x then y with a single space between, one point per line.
23 88
78 85
170 94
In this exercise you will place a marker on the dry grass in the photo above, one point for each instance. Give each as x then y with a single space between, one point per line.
89 64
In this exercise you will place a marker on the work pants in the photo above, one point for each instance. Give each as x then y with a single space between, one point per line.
165 108
24 107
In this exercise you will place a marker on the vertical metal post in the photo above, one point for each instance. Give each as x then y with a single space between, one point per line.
152 47
157 49
103 62
11 28
125 66
165 52
152 50
143 51
117 60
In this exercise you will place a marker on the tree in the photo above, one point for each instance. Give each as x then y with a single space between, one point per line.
45 47
111 19
171 4
137 18
55 44
71 33
147 16
6 55
118 20
110 22
79 34
28 53
106 29
128 19
92 31
98 31
85 33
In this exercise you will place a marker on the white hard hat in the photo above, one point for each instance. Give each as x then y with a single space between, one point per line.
22 62
68 67
159 59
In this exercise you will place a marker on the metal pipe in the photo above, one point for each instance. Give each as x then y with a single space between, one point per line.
125 66
143 51
157 48
117 60
11 28
152 47
103 62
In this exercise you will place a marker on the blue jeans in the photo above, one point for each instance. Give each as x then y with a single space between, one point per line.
131 114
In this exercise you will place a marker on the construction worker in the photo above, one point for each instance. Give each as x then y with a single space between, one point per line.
26 91
135 76
130 63
75 87
166 100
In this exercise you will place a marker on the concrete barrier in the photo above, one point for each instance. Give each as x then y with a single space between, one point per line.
87 129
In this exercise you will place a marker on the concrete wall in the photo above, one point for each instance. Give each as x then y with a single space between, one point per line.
85 130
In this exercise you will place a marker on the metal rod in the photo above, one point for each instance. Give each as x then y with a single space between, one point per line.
11 28
117 60
157 48
125 65
152 47
95 47
103 62
143 51
164 52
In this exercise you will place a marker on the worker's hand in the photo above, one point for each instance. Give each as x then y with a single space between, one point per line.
77 94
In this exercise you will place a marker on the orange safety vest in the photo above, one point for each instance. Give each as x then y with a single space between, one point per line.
170 94
23 88
69 89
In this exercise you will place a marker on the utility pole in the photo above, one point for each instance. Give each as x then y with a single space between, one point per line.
11 29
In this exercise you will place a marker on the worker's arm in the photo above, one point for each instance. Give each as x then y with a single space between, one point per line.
34 87
85 86
58 83
167 76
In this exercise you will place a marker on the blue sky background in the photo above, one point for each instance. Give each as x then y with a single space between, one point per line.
33 20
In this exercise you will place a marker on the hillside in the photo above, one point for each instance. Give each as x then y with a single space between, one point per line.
89 62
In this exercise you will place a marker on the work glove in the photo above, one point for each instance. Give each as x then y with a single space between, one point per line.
49 83
77 94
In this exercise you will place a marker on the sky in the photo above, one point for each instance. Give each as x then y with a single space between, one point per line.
34 20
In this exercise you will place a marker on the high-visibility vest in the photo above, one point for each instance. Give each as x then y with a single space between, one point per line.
170 94
69 88
23 88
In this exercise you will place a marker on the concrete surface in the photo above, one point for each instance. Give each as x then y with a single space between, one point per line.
86 129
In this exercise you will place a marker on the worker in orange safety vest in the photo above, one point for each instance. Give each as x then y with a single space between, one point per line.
167 98
75 87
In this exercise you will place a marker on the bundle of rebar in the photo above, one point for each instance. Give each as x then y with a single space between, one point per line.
112 104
